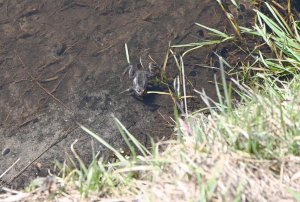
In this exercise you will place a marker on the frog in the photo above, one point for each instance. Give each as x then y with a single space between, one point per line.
140 79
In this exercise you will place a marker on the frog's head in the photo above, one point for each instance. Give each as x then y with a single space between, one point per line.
139 90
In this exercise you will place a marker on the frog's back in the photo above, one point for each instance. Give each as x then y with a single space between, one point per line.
142 79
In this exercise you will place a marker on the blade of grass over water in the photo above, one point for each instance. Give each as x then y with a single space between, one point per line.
164 67
104 143
224 83
223 37
215 32
136 143
82 165
127 54
129 144
158 93
183 86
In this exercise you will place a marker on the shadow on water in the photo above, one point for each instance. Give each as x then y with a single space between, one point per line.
149 100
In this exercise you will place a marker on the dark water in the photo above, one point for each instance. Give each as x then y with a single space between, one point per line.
62 61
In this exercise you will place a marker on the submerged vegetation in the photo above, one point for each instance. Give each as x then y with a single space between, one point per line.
249 151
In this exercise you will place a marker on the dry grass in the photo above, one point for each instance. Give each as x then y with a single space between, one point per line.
205 163
250 153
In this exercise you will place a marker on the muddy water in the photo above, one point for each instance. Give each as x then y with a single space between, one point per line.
62 61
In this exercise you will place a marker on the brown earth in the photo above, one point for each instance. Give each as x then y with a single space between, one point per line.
62 61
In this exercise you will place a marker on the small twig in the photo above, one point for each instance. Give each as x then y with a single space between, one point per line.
10 167
50 79
105 49
127 90
58 84
7 117
26 122
164 118
44 89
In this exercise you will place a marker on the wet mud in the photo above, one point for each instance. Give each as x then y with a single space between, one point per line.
62 62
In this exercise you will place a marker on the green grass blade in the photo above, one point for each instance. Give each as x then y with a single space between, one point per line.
140 147
279 19
217 32
127 53
103 142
